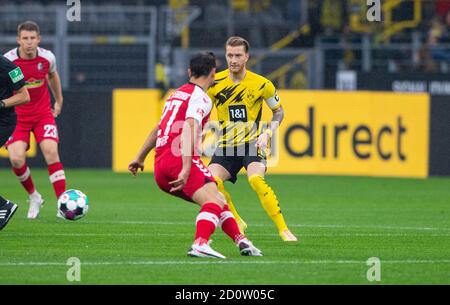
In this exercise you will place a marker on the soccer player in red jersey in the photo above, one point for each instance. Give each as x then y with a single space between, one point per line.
37 116
179 170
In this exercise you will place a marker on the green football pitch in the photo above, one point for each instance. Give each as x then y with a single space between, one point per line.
135 234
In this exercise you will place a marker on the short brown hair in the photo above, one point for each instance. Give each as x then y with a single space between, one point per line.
201 64
236 41
30 26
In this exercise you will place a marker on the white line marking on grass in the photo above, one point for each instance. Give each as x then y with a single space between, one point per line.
224 262
190 234
91 234
270 225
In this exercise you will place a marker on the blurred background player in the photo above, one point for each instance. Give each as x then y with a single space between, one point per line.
39 68
11 79
179 170
238 95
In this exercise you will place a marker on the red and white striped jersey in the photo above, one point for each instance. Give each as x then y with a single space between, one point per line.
35 71
188 101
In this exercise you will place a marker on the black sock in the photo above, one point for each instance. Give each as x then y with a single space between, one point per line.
2 201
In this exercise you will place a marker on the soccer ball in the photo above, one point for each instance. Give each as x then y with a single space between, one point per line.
72 205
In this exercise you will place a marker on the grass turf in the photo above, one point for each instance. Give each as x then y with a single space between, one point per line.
135 234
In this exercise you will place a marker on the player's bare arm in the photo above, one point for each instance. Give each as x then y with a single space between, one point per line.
21 97
188 139
149 144
55 86
277 118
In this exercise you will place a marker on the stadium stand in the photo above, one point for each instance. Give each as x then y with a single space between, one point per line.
414 36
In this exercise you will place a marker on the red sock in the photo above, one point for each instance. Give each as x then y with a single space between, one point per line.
207 220
24 176
57 178
229 225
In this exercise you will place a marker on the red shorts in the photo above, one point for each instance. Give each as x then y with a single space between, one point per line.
167 169
43 129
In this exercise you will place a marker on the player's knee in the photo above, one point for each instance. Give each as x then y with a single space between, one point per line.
218 198
51 155
221 203
221 199
17 161
214 200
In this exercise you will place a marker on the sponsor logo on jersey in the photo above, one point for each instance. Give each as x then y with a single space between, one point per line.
34 83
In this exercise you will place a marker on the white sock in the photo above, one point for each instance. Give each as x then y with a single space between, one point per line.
35 195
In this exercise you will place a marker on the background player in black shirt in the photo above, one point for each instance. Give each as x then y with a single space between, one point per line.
11 81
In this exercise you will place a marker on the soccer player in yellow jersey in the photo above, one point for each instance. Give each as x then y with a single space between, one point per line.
238 95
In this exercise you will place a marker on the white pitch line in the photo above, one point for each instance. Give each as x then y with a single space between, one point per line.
270 225
189 234
224 262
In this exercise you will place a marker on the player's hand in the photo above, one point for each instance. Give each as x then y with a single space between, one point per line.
262 142
56 110
177 185
134 166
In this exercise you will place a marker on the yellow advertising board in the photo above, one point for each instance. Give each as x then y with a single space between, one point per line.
347 133
135 114
323 132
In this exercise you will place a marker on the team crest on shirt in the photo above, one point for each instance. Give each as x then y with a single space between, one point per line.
250 95
40 66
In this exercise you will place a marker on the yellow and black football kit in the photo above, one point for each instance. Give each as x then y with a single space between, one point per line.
239 110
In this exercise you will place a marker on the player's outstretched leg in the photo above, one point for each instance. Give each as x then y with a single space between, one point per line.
230 227
271 205
23 174
7 210
241 223
55 168
35 200
17 157
206 223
